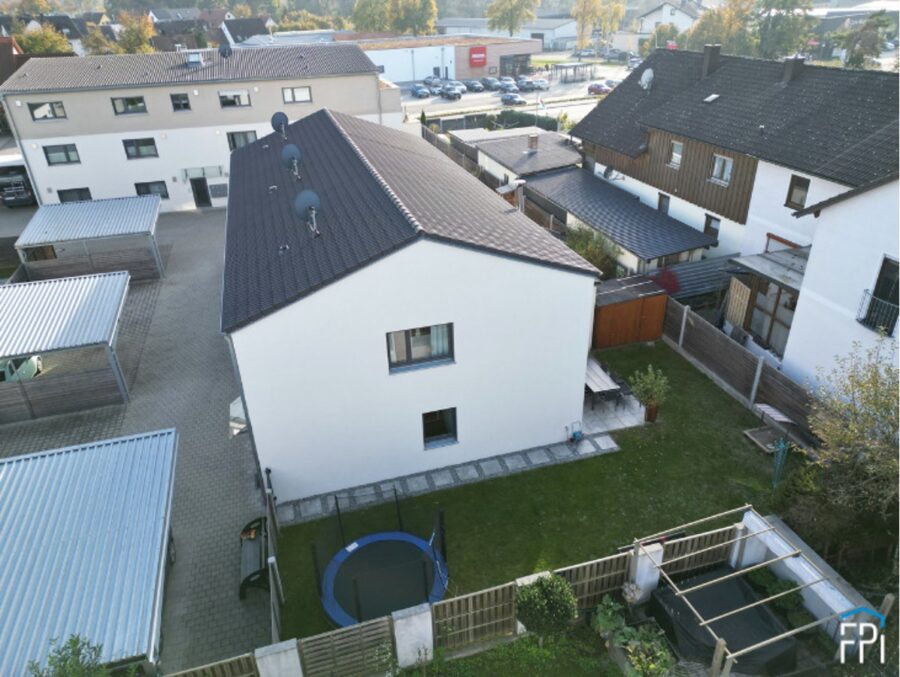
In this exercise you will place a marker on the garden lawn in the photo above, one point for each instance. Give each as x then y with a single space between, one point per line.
692 463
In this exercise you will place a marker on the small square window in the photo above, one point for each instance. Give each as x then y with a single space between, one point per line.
140 148
153 188
74 194
439 427
129 105
296 94
52 110
797 192
65 154
721 171
180 102
239 98
675 154
239 139
711 226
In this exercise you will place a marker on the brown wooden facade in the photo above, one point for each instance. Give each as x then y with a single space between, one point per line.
691 180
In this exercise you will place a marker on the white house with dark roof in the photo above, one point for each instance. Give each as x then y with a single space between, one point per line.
165 123
413 321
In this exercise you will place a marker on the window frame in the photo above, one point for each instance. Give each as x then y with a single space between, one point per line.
292 90
72 190
422 361
68 161
796 179
728 163
230 135
187 98
135 144
162 196
708 229
125 99
671 161
52 105
225 93
445 439
663 199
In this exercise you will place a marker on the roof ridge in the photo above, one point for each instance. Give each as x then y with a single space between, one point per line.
404 210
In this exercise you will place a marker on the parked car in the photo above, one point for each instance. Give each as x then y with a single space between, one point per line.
436 88
541 83
612 84
581 53
420 91
473 85
509 88
525 85
634 62
15 189
507 80
431 80
450 92
599 88
20 368
513 100
491 84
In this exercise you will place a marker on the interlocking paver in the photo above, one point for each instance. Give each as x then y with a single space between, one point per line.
466 473
417 483
491 467
538 456
442 478
515 462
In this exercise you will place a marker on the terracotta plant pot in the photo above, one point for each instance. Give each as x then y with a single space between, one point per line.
650 412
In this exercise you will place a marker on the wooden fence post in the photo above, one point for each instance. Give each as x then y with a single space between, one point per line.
684 319
716 668
756 377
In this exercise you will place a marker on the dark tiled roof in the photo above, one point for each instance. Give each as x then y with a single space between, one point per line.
380 189
637 228
241 29
124 70
701 277
554 152
839 124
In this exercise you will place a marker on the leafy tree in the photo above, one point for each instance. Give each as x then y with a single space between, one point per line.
44 40
783 26
97 43
606 15
76 658
855 415
660 38
304 20
729 25
371 15
863 41
34 8
594 248
241 11
510 15
412 16
547 606
137 30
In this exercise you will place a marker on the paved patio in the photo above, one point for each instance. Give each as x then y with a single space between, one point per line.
180 374
597 424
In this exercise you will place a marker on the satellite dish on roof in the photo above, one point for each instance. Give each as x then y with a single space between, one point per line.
225 50
646 79
290 158
306 206
280 123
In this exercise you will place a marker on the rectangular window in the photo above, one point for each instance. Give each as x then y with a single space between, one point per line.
439 427
417 346
721 171
234 98
74 194
153 188
711 225
879 309
66 154
797 192
772 315
296 94
238 139
52 110
663 203
140 148
180 102
129 105
675 154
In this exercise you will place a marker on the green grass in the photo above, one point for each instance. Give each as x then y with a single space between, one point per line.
692 463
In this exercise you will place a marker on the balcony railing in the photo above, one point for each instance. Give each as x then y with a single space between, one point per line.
877 314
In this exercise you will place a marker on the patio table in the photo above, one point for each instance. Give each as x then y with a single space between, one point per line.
598 381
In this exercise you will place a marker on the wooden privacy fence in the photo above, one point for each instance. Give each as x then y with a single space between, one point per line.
746 376
475 618
544 218
239 666
711 548
591 580
459 158
362 649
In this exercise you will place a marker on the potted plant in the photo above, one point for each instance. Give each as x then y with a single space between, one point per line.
650 388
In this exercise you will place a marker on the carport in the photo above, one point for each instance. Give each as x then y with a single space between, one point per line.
94 236
71 323
86 542
573 71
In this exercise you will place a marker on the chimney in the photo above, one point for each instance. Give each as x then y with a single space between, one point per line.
792 67
532 143
710 59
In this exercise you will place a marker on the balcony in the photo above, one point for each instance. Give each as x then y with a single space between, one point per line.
877 314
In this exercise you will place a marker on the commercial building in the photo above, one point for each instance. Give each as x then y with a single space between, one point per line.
555 33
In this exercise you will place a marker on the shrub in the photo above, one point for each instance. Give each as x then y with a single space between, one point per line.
650 387
547 606
608 618
788 602
594 248
761 579
77 657
646 650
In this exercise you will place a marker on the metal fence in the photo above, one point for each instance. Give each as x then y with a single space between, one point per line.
362 649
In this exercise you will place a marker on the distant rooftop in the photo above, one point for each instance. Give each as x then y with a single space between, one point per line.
554 151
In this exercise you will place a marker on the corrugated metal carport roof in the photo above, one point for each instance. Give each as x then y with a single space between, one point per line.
84 532
68 312
70 221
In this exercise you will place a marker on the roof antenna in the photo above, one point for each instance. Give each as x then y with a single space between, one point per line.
290 158
307 205
280 123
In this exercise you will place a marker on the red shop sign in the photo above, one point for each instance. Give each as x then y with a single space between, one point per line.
477 57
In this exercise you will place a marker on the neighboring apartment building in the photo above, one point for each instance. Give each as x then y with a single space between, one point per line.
413 320
166 123
680 13
554 33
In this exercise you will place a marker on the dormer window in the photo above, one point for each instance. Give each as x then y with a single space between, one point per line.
194 59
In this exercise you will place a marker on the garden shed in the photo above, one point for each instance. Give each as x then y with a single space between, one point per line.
94 236
628 310
66 328
86 541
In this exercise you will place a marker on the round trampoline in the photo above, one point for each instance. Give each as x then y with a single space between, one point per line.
381 573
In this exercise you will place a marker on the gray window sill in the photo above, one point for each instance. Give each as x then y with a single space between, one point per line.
421 365
437 444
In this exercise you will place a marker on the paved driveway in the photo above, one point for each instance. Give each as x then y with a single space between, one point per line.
180 374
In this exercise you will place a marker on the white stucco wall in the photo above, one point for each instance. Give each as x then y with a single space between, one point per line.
851 239
768 213
416 63
665 14
495 169
327 413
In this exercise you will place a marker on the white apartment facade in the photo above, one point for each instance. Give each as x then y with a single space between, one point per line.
166 123
667 13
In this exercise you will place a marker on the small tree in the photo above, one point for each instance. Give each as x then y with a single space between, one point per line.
547 606
371 15
44 40
137 30
510 15
864 41
97 43
77 657
651 388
